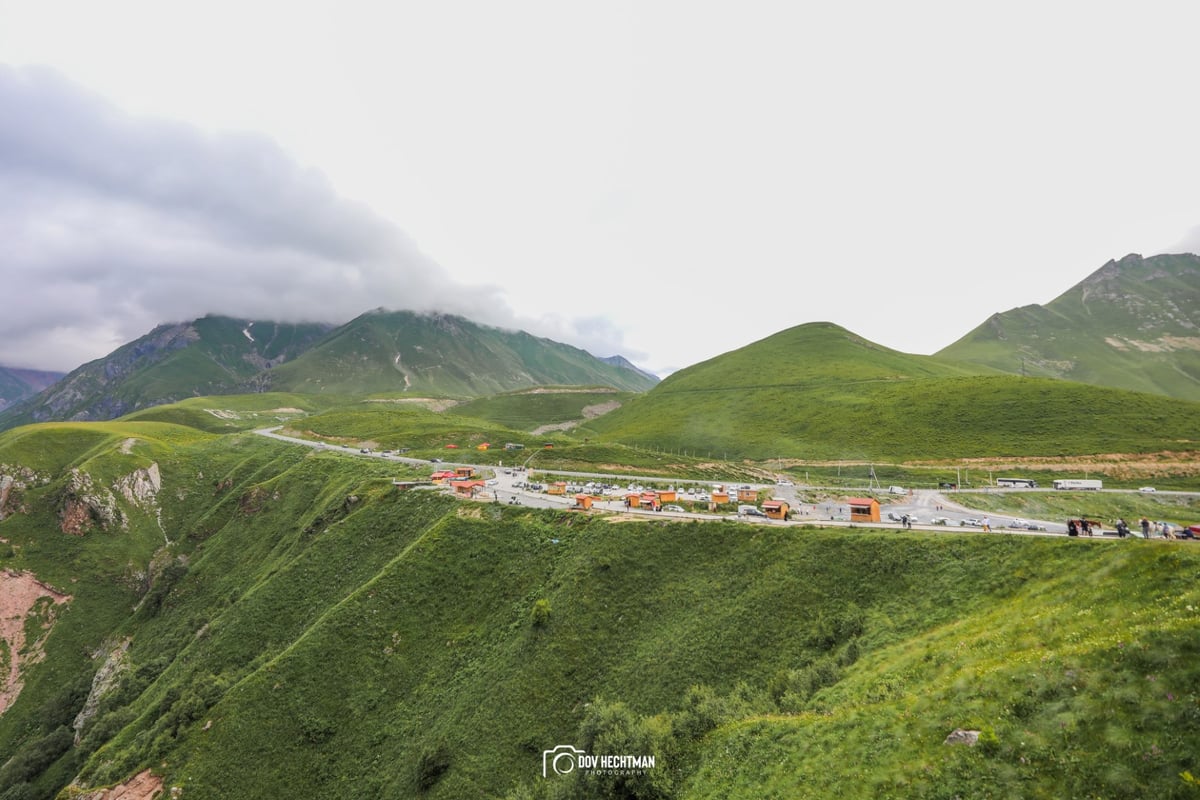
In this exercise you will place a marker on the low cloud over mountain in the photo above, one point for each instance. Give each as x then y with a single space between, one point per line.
113 223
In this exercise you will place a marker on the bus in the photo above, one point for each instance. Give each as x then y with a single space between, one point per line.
1079 485
1017 483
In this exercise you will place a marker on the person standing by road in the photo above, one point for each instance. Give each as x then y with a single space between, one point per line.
987 524
1145 528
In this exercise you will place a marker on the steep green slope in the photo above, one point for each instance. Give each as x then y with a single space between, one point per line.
442 355
1132 325
212 355
820 392
305 630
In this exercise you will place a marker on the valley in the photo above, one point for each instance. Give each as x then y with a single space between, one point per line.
306 627
275 588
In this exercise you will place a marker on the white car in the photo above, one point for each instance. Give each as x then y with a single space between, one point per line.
784 483
1147 489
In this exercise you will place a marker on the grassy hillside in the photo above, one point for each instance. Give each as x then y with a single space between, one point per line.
531 409
238 412
819 392
208 356
442 355
310 632
1131 325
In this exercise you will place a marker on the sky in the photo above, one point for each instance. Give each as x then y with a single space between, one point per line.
664 180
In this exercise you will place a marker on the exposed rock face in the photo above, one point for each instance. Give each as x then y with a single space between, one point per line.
14 480
105 680
141 487
84 506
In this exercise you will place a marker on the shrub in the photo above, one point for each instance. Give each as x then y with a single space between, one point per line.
539 615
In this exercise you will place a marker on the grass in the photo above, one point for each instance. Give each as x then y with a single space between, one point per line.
231 413
818 392
310 631
529 410
1088 333
934 418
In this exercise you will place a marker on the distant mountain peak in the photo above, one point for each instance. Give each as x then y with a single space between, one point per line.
1130 324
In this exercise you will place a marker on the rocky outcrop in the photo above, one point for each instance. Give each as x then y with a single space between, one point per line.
83 506
14 480
141 487
104 681
963 736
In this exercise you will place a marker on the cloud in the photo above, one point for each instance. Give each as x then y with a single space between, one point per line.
1190 243
114 223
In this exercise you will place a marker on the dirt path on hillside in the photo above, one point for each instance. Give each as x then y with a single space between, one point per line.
19 592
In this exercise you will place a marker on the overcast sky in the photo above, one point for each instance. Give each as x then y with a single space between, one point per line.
668 181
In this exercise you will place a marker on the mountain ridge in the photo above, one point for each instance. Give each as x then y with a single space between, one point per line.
1134 323
378 352
17 383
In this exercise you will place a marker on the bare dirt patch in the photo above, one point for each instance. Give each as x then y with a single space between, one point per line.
589 412
569 390
20 593
437 404
143 786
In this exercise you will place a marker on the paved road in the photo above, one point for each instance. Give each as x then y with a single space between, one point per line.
924 505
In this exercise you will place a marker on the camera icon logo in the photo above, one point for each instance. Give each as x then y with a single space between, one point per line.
561 760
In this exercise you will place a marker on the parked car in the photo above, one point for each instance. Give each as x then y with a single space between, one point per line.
675 508
970 522
939 521
782 482
751 511
1147 489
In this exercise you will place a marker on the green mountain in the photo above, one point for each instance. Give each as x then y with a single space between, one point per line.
444 355
212 355
1132 324
225 616
17 384
379 352
817 391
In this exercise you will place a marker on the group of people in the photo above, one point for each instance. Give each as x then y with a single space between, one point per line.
1161 529
1086 527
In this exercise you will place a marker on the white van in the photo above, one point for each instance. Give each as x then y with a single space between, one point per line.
897 490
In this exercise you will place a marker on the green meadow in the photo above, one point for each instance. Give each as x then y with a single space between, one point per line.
297 627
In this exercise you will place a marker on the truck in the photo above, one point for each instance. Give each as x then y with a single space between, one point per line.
1076 484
